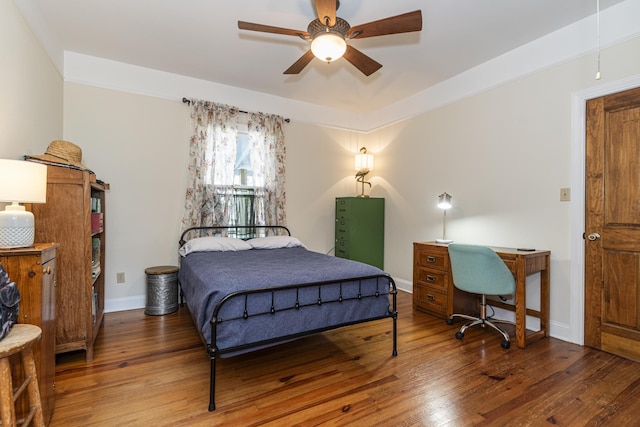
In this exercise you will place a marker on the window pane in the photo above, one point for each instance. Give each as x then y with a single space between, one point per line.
243 172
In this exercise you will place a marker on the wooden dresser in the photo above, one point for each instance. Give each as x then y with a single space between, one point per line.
433 290
34 271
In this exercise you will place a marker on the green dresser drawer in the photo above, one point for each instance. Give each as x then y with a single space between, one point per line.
342 248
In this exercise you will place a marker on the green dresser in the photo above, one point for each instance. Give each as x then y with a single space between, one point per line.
360 229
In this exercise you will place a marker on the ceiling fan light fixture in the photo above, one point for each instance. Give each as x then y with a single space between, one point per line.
328 46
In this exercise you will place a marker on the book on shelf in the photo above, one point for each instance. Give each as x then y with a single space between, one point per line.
95 257
94 305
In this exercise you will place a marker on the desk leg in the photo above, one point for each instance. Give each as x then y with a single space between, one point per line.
521 303
544 298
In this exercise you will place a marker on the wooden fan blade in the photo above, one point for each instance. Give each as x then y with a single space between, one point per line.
405 23
269 29
361 61
326 10
300 63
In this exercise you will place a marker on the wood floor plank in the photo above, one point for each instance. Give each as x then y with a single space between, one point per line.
153 370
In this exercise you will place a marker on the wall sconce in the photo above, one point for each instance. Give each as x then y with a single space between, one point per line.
444 203
25 182
364 164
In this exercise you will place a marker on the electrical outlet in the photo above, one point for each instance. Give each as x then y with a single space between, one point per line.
565 194
120 277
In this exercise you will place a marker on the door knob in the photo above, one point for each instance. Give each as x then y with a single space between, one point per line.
593 237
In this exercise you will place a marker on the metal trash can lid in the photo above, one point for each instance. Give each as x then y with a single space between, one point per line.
162 269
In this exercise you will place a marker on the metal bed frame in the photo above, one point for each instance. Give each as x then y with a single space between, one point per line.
211 347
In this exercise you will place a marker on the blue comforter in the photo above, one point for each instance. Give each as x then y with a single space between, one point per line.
207 277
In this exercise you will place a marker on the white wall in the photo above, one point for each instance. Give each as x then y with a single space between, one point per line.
139 145
30 89
503 154
320 167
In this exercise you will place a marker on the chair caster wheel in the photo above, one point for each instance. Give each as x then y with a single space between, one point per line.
449 322
505 344
459 335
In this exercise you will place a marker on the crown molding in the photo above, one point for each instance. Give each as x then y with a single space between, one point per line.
618 24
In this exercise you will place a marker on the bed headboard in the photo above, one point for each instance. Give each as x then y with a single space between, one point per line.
243 232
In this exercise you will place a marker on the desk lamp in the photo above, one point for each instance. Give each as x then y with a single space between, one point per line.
444 203
20 181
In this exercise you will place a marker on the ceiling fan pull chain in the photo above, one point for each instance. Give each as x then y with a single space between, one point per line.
598 36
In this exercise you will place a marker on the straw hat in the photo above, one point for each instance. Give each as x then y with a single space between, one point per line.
62 153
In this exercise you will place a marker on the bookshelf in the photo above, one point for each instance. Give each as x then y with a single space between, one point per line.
74 217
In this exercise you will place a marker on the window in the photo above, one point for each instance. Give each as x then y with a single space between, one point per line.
243 211
236 168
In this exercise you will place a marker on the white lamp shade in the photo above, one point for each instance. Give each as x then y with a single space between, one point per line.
20 181
328 46
444 201
364 161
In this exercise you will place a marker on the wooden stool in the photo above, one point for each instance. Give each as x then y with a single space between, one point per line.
20 340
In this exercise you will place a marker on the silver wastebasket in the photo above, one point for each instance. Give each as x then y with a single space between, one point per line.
162 290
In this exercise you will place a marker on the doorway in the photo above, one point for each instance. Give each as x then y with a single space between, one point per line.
612 224
573 331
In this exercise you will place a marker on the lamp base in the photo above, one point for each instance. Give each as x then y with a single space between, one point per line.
444 241
16 227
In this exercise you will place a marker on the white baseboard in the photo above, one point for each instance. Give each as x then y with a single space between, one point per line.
123 304
557 330
404 285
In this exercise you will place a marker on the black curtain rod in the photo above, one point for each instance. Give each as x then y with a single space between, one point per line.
188 102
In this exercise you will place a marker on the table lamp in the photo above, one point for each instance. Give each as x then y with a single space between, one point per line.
20 182
444 203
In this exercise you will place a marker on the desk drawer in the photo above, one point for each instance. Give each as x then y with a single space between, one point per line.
432 278
431 299
432 257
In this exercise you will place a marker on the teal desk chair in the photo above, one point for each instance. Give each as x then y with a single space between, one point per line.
479 270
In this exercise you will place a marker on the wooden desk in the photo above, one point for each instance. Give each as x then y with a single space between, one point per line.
433 289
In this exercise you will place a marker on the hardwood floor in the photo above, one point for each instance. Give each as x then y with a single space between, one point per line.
153 370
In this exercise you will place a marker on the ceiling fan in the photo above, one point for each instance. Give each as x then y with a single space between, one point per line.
329 34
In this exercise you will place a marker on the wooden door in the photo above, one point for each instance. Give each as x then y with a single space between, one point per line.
612 222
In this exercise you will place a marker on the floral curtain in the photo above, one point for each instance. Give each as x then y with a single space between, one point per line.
212 156
266 138
211 196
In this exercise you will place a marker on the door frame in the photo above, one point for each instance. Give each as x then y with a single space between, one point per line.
578 159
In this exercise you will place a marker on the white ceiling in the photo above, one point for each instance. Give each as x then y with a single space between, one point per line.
200 39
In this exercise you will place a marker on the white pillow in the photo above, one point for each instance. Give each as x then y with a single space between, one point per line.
214 244
275 242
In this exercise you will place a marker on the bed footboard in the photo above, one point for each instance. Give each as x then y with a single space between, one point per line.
337 299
